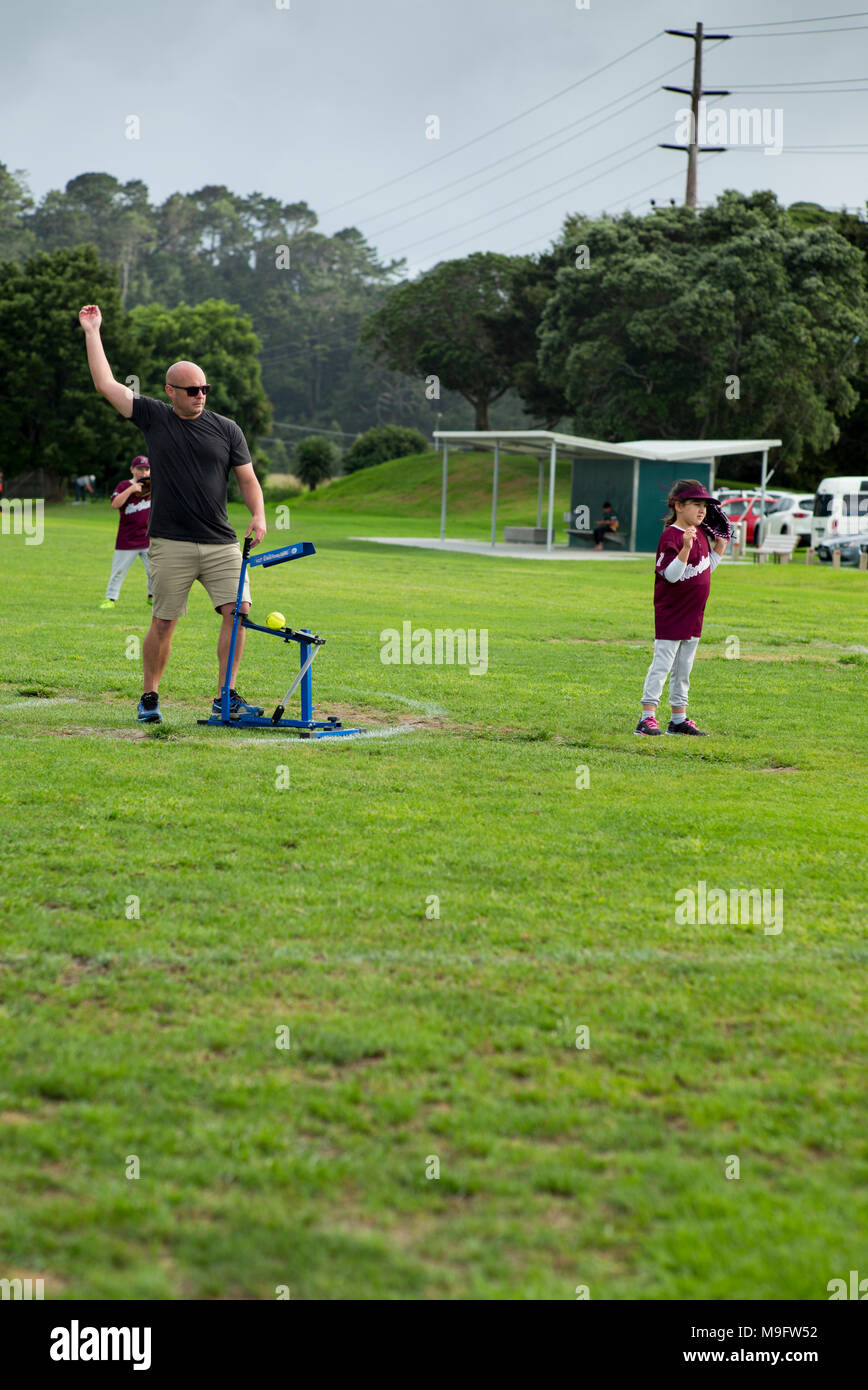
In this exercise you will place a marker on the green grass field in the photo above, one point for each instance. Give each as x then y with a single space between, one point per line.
415 1039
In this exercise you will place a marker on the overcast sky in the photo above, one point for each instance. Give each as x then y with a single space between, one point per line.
327 100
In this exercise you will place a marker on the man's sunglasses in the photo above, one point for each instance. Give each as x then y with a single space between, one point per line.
191 390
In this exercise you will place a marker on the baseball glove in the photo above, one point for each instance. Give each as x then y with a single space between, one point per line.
715 524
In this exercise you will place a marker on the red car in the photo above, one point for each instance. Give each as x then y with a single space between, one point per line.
747 508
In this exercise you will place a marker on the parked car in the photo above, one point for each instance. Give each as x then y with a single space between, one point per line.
791 515
850 547
747 508
840 508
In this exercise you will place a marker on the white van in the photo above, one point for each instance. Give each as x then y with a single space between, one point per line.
840 508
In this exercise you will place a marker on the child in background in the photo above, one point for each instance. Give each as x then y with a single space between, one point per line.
682 580
133 500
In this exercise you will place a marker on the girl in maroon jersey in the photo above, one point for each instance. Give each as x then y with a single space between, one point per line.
132 500
682 580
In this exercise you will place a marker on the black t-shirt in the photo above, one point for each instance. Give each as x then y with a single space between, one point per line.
190 463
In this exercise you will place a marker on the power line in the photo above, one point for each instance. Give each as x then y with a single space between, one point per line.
794 33
285 425
836 148
813 149
494 129
656 183
795 91
477 188
820 82
805 19
648 150
524 148
531 192
612 116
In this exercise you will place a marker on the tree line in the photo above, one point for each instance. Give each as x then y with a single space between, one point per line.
744 320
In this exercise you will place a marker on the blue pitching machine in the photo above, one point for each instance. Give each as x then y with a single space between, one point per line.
308 645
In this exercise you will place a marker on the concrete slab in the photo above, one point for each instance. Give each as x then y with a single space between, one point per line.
509 552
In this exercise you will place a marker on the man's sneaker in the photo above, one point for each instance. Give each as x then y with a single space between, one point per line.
107 602
237 706
648 725
149 708
686 726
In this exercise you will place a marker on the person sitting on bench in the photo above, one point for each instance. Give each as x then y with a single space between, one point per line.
608 522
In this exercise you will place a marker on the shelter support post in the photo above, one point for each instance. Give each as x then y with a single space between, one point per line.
494 495
634 504
553 456
443 497
763 480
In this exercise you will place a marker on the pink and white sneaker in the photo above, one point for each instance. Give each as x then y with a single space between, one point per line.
648 725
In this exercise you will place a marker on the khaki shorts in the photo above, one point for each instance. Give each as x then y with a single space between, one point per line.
176 565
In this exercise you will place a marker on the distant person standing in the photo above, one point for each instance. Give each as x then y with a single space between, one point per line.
133 500
191 451
84 485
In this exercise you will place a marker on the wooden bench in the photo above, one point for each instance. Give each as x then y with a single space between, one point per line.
781 547
616 537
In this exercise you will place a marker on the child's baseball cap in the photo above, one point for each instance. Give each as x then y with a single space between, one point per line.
140 462
692 492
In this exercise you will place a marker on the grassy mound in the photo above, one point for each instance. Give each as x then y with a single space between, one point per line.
411 487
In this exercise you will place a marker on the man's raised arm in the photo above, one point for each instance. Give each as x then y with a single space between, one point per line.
121 397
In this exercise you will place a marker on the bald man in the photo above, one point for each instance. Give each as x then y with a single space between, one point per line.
191 450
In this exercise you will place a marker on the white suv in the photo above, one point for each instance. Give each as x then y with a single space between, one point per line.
788 516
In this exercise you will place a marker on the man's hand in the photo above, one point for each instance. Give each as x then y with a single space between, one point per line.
257 527
90 318
135 487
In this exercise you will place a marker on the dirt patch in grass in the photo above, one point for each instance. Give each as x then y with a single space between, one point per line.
357 716
775 657
78 966
604 641
82 731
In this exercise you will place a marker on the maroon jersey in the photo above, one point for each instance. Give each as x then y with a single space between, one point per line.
133 520
679 606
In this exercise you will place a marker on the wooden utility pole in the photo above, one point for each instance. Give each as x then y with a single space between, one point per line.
695 93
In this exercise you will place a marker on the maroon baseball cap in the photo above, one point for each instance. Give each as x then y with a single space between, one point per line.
693 492
140 462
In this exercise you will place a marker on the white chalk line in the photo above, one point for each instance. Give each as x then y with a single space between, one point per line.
386 732
429 709
39 700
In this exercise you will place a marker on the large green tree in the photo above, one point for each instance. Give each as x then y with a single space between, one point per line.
220 339
445 325
847 454
307 294
645 337
117 218
17 237
515 330
50 415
